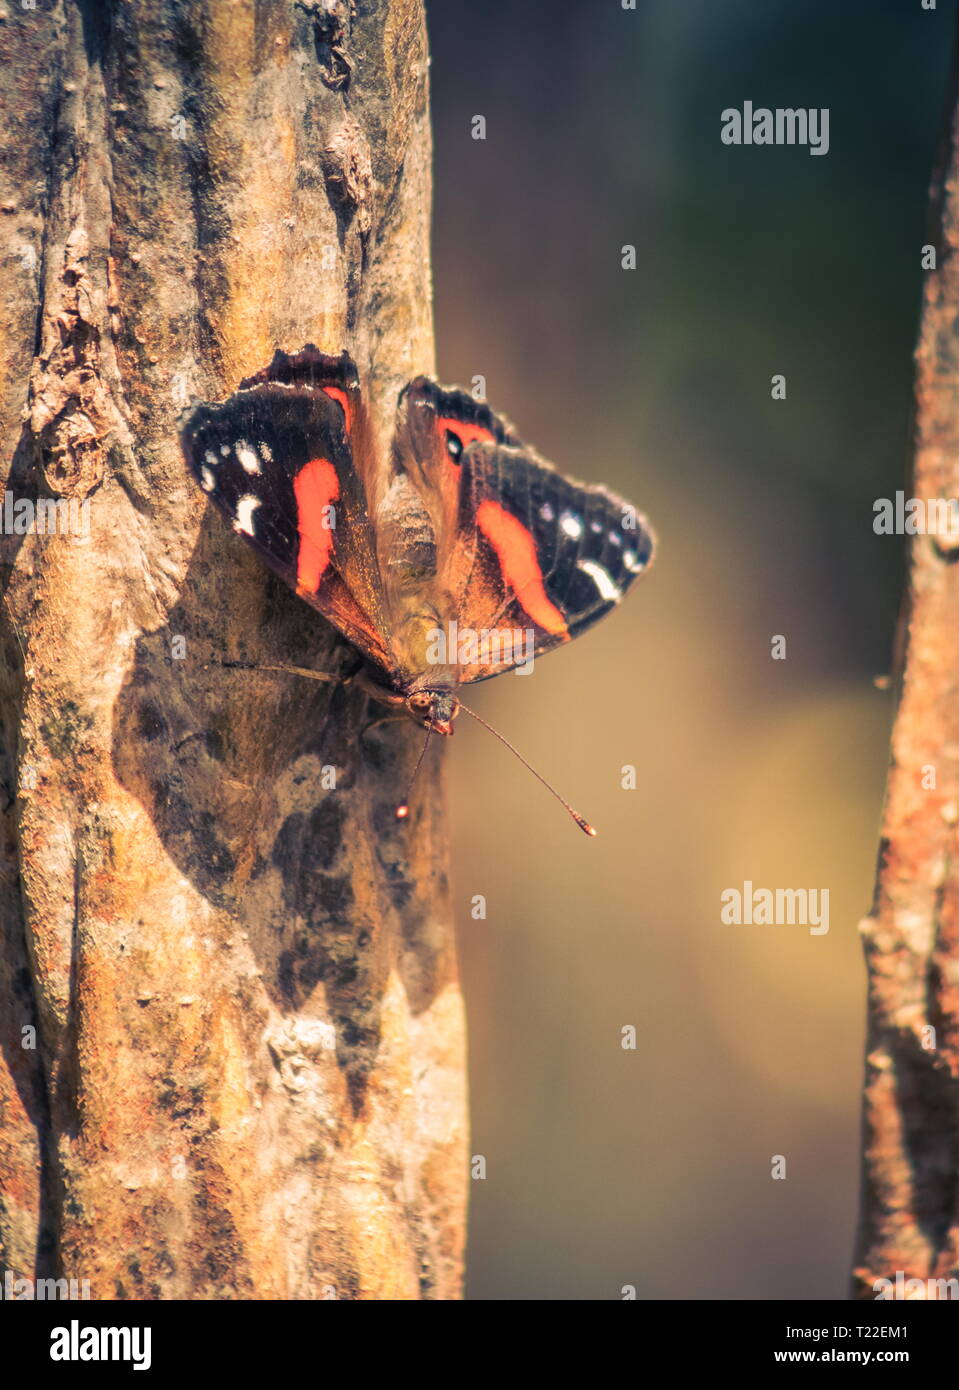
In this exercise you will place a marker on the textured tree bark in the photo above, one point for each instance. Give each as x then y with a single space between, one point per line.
248 1077
910 1199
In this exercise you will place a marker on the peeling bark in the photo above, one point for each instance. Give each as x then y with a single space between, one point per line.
910 1199
249 1077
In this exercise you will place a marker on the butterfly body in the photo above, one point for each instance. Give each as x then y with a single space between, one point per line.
461 556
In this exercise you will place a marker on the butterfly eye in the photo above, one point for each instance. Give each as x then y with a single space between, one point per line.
454 446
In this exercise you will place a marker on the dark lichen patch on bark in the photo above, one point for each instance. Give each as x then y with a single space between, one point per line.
66 730
306 844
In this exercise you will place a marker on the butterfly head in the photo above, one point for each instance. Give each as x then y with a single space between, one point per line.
434 709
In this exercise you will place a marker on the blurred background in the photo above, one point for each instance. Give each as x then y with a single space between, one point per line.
652 1167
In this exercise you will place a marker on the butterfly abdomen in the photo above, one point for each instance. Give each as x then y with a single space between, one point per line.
406 541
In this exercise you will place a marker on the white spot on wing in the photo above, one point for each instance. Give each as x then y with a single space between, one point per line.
266 453
247 457
244 514
208 481
211 458
546 512
571 526
632 562
609 591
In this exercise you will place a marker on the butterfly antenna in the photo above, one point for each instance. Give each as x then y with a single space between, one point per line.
581 821
403 810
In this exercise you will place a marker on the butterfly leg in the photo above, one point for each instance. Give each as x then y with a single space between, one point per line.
290 670
343 677
346 677
383 696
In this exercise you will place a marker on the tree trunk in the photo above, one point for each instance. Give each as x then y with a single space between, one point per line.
232 1031
910 1202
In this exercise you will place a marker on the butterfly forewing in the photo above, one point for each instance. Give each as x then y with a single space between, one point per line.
552 556
277 460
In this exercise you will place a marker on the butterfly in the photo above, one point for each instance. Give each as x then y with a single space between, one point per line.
461 556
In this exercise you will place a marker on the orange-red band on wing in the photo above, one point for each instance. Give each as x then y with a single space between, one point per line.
338 394
316 487
467 432
516 552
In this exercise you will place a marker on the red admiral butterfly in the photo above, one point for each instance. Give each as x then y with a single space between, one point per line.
462 556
